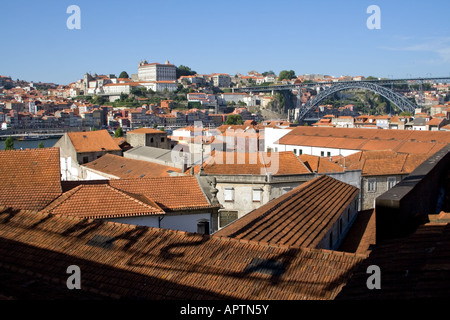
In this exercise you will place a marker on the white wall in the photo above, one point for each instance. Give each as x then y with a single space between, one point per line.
271 135
68 171
242 197
314 151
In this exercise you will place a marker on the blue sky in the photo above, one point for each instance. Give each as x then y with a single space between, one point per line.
323 36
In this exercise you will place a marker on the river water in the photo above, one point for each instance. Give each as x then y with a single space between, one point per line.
30 144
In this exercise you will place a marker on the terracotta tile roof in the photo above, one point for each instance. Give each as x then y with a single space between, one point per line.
30 179
254 163
124 261
299 218
376 139
320 164
93 141
169 193
413 267
376 144
382 162
419 147
101 201
435 122
126 168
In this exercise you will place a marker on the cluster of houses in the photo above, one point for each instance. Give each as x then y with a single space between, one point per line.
437 119
252 211
252 164
30 110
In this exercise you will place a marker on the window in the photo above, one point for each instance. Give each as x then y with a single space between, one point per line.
85 159
328 154
228 194
392 181
295 151
256 195
300 152
203 227
372 185
162 139
322 153
151 140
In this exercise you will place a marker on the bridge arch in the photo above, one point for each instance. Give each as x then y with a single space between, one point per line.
401 102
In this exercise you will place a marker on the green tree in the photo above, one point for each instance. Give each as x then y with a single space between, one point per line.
184 71
119 132
9 143
266 73
286 75
124 74
234 119
99 100
41 145
123 97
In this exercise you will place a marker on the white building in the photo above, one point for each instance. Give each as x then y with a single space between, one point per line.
159 86
157 71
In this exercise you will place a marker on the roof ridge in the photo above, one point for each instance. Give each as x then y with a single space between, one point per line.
404 162
131 197
304 165
63 197
283 200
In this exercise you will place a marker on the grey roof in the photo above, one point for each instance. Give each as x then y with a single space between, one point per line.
157 155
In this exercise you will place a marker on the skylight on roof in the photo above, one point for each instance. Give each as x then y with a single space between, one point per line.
272 267
101 241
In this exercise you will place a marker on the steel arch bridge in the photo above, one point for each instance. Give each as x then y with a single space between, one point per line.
401 102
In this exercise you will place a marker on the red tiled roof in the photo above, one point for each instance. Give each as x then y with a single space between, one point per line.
320 164
357 133
125 168
169 193
124 261
403 141
93 141
101 201
30 179
382 162
254 163
299 218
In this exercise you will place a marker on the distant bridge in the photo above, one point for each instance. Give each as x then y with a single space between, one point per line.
329 88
